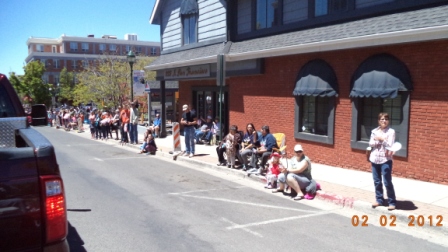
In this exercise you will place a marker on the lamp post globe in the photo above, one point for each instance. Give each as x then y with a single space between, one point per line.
131 61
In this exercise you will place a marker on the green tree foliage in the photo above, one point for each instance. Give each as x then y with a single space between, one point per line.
106 81
32 85
67 84
17 84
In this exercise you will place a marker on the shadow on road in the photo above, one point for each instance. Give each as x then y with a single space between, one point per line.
75 241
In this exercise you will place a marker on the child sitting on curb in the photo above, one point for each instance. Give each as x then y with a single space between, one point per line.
273 171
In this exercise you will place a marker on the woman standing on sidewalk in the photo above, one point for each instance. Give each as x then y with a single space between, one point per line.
381 138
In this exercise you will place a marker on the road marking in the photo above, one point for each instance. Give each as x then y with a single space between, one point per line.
247 203
210 190
276 220
123 158
245 229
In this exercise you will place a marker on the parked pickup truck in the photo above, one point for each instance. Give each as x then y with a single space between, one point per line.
33 214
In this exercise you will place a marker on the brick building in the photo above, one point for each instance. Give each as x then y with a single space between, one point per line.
74 52
318 71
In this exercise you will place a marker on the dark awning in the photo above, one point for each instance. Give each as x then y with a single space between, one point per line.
189 7
316 78
380 76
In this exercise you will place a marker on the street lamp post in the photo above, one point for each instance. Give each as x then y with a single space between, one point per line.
131 60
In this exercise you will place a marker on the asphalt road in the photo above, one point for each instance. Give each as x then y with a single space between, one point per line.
121 201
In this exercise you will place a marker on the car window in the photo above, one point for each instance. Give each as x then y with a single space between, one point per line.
6 106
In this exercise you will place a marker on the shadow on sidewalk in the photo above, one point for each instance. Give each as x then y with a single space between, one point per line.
406 205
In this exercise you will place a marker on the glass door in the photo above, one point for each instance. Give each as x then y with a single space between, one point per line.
208 103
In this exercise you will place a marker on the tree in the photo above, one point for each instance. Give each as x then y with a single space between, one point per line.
106 81
31 84
67 85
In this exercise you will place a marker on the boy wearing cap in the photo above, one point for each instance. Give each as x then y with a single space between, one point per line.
188 121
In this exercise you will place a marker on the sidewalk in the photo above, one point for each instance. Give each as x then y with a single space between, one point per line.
343 187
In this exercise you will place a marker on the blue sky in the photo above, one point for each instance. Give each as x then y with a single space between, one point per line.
21 19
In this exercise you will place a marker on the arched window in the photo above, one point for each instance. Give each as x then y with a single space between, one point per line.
315 90
381 83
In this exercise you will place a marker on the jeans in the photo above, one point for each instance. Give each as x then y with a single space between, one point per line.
244 156
189 139
264 159
386 171
133 134
124 135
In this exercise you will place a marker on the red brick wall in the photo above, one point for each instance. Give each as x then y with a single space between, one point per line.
267 100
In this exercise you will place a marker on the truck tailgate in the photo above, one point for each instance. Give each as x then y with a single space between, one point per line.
20 208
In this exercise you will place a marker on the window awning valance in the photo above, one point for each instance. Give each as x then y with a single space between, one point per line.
316 78
189 7
380 76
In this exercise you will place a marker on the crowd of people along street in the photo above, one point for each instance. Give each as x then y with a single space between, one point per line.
257 152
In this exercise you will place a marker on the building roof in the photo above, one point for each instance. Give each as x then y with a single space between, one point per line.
413 26
200 55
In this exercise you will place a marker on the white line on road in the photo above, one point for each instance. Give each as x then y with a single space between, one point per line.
209 190
247 203
122 158
245 229
277 220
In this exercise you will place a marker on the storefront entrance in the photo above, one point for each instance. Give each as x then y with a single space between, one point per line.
207 102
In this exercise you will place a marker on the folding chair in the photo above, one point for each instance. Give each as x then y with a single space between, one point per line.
281 143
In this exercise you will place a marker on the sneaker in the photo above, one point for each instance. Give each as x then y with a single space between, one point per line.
185 154
268 186
318 187
391 208
191 155
253 170
244 168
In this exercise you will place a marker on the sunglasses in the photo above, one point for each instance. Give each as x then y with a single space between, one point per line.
299 151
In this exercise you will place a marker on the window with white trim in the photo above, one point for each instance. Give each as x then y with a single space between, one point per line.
153 51
39 48
73 46
85 47
56 63
102 48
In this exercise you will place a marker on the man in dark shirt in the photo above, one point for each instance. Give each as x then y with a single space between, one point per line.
267 142
188 121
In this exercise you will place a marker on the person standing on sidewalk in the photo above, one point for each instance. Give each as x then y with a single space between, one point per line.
133 134
381 138
124 129
188 121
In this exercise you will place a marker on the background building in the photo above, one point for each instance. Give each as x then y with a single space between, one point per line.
74 53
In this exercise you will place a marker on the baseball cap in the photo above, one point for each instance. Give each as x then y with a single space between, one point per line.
298 147
185 107
275 154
